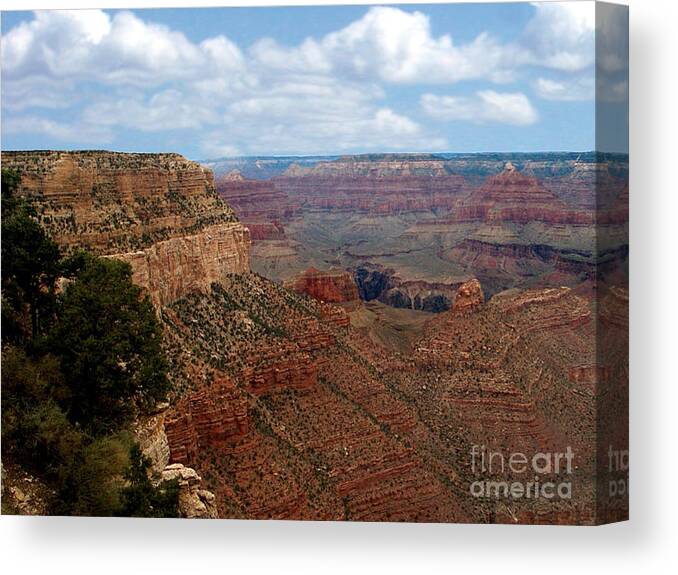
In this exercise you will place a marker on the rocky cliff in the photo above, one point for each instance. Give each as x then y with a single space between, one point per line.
517 197
333 286
383 284
159 212
373 193
255 200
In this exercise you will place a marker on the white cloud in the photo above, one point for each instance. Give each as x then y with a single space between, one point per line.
71 132
89 44
561 35
324 94
394 46
566 89
151 78
612 27
166 110
486 107
324 116
609 90
215 147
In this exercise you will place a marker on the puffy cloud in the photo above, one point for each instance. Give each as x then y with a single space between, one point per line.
394 46
561 35
89 44
612 26
398 46
320 117
486 107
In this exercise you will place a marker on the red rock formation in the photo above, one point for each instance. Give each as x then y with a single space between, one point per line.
314 422
614 308
469 297
334 286
517 197
386 166
504 377
588 374
266 231
173 268
388 187
255 200
209 416
281 370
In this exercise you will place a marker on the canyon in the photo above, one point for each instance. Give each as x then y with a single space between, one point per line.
311 378
419 225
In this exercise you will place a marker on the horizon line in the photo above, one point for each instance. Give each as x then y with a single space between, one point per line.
317 155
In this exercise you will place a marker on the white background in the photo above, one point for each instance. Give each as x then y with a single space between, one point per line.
646 544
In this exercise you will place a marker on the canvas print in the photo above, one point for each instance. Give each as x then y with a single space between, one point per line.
343 263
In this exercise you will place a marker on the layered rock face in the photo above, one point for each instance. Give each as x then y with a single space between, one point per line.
588 185
533 221
333 286
373 194
518 375
325 438
159 212
517 197
503 263
205 417
255 200
381 185
173 268
378 165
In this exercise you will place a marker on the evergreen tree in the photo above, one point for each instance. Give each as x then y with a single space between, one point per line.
109 343
141 498
30 265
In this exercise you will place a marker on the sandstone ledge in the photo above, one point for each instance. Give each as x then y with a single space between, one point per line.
175 267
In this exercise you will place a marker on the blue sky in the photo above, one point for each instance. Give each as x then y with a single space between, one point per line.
304 80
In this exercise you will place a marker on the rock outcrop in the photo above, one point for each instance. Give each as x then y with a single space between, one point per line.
194 503
517 197
382 284
159 212
287 410
215 414
469 297
150 433
588 185
332 286
374 165
172 268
